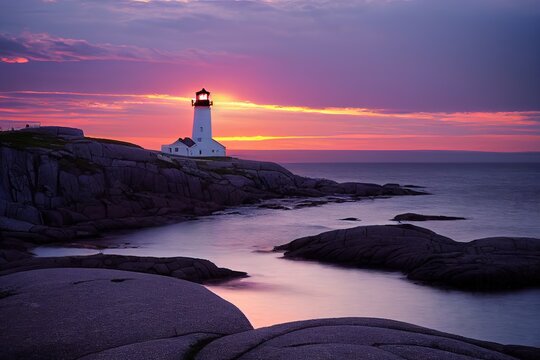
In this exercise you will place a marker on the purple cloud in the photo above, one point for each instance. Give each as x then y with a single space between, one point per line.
414 55
45 47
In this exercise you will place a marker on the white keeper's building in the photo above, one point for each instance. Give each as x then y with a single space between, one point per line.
201 142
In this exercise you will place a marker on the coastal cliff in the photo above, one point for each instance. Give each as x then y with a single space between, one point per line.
56 184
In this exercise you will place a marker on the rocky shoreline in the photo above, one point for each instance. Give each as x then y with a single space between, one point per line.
110 314
57 185
497 263
185 268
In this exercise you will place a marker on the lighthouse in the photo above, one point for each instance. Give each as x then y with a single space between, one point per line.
201 143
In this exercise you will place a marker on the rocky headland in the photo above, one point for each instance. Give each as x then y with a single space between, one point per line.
496 263
101 314
56 185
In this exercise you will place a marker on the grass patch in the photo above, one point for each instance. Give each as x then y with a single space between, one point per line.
115 142
23 140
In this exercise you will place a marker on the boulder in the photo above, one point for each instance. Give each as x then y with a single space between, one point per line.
109 314
196 270
484 264
57 131
420 217
11 224
355 338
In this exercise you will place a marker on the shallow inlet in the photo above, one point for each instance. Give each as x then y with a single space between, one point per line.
498 199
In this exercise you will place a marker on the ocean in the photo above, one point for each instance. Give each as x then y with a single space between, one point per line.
497 200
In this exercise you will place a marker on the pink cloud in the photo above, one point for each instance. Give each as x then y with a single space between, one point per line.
14 60
154 119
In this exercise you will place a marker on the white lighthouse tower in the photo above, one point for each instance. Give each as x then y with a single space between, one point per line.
201 143
202 117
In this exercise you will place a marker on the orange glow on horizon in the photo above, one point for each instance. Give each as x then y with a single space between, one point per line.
154 119
227 103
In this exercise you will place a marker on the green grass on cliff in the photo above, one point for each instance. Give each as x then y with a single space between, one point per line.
23 140
111 141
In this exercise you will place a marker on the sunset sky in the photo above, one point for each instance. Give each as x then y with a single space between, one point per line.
365 74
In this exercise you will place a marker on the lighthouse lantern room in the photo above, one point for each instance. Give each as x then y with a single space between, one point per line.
201 142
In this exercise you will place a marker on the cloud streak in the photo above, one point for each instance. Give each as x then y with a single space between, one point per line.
150 119
414 55
45 47
512 118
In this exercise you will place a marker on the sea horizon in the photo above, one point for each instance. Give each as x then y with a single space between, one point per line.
387 156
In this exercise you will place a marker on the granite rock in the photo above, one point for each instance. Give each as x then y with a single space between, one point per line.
355 338
54 177
185 268
108 314
97 314
420 217
485 264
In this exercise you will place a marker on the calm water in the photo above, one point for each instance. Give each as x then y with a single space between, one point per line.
497 199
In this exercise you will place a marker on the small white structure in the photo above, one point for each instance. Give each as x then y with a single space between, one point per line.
201 142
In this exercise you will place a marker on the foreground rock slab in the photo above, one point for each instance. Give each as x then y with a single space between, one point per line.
108 314
355 338
98 314
185 268
484 264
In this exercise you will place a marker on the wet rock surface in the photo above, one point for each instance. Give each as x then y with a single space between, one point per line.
109 314
185 268
485 264
57 185
420 217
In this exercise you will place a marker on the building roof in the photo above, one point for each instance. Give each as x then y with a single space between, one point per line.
187 141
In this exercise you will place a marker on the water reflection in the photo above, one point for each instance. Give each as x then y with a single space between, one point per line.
280 290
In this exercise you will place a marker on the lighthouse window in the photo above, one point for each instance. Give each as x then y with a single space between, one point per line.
201 129
200 152
199 139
